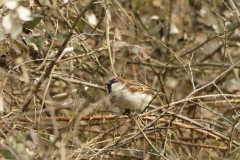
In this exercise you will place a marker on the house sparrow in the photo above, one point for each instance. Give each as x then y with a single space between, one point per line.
129 94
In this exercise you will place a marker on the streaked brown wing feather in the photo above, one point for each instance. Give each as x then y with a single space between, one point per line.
134 86
138 87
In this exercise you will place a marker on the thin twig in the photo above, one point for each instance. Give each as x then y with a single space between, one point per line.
51 65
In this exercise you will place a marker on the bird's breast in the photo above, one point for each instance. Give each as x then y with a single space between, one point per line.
128 100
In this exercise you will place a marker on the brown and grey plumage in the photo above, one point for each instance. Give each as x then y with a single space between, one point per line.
129 94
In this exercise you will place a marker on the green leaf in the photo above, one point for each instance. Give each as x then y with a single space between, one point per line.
79 49
7 154
49 32
61 37
79 24
39 42
232 25
32 24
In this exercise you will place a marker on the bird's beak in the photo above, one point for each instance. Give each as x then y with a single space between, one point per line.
107 83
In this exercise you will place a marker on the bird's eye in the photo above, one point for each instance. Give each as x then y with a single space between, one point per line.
109 84
113 81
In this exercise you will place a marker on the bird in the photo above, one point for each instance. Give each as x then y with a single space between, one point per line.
130 95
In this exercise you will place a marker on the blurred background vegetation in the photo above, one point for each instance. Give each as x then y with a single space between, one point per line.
56 55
